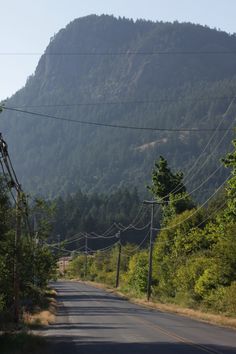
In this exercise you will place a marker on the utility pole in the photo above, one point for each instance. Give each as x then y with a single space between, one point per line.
16 260
118 260
21 208
152 203
86 258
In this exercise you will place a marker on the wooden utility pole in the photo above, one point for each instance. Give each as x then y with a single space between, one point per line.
118 261
86 258
151 240
21 208
16 260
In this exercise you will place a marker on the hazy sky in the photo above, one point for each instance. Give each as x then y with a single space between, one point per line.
27 25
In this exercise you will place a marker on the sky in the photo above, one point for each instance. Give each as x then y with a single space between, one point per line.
26 26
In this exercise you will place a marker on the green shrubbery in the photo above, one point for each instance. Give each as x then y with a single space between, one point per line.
33 260
194 258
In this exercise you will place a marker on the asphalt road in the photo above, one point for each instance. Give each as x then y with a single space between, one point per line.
92 321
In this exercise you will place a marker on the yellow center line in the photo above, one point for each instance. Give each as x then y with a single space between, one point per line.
176 336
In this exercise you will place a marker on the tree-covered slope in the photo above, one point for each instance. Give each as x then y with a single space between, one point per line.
91 66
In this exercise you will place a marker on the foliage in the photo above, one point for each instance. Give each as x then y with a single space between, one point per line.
195 254
194 258
230 161
168 189
32 260
138 272
23 342
165 182
102 266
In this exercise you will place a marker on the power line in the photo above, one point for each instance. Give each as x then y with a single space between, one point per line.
209 155
119 126
137 247
103 249
106 234
124 53
132 227
94 236
221 207
208 144
195 210
178 187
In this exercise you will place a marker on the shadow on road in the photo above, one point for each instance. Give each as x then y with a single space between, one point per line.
79 331
83 346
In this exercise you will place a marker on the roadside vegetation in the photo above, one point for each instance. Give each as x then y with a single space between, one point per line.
194 258
32 262
22 343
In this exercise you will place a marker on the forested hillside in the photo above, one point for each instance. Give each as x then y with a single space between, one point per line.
117 71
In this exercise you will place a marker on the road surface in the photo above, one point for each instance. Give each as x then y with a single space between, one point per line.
92 321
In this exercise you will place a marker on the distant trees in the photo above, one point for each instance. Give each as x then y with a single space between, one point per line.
95 213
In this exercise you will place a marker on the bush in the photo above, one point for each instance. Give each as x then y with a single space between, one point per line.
223 300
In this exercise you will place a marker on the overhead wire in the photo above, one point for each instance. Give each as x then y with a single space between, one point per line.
134 223
63 249
211 153
204 149
103 249
132 227
68 241
106 233
124 53
108 125
138 246
195 210
7 181
94 236
175 190
221 207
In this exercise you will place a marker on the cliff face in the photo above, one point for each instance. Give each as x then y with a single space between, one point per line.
85 70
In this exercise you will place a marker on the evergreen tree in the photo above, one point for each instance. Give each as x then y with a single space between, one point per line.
165 182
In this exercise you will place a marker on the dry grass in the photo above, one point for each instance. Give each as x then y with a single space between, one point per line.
195 314
41 317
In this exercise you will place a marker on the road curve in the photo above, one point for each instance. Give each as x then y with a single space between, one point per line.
92 321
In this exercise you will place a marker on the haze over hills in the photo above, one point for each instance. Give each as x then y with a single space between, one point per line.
88 74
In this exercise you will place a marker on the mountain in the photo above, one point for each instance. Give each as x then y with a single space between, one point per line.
117 71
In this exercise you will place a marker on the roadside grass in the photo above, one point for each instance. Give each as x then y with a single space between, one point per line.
23 343
43 314
195 314
18 340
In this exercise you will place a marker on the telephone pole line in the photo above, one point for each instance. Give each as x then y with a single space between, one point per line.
151 240
118 260
86 258
16 260
20 205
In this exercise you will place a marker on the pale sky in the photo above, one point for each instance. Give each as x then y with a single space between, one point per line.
27 25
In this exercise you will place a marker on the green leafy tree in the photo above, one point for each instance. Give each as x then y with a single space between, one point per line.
230 161
138 272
